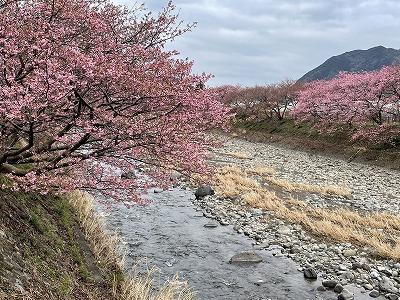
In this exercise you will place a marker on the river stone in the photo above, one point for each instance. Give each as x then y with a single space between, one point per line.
310 273
284 230
203 190
338 288
256 212
349 252
329 283
374 294
368 286
345 295
246 257
392 297
387 285
356 265
210 225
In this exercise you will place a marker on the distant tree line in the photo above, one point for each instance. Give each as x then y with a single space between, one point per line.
366 105
259 103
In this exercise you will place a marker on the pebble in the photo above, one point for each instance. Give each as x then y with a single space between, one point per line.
210 225
345 295
368 286
338 288
246 257
310 273
329 283
374 294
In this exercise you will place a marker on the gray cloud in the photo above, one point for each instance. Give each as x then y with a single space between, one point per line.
258 41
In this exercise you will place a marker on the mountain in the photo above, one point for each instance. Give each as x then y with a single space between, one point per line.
354 61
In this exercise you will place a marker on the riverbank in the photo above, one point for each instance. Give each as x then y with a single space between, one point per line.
338 218
44 253
58 248
300 136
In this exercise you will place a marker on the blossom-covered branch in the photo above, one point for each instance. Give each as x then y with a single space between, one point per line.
84 84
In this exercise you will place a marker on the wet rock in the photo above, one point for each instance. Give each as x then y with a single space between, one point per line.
246 257
345 295
329 283
210 225
310 273
338 288
203 190
392 297
374 294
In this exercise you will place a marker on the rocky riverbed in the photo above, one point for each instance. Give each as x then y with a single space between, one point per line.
199 238
372 189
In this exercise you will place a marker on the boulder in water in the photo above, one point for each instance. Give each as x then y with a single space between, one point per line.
246 257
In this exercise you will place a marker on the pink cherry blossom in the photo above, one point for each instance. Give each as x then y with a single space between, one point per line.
87 92
366 103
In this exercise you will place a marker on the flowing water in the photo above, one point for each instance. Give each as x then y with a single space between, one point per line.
170 232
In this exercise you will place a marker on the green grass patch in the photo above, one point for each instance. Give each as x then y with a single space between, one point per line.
39 223
64 288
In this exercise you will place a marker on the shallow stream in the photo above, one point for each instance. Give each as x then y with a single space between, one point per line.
170 232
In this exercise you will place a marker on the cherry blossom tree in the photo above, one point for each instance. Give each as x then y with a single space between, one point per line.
88 91
262 102
366 103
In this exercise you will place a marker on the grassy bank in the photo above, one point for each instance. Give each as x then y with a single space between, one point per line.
56 248
44 253
302 136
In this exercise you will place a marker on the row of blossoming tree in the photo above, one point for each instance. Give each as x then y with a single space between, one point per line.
261 102
366 104
88 91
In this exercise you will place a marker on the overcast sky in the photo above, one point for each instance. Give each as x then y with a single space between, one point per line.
262 41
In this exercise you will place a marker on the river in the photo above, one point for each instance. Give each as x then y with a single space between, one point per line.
169 231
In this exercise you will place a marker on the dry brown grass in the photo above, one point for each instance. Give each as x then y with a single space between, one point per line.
141 287
233 181
379 231
238 155
262 170
305 187
132 286
103 244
